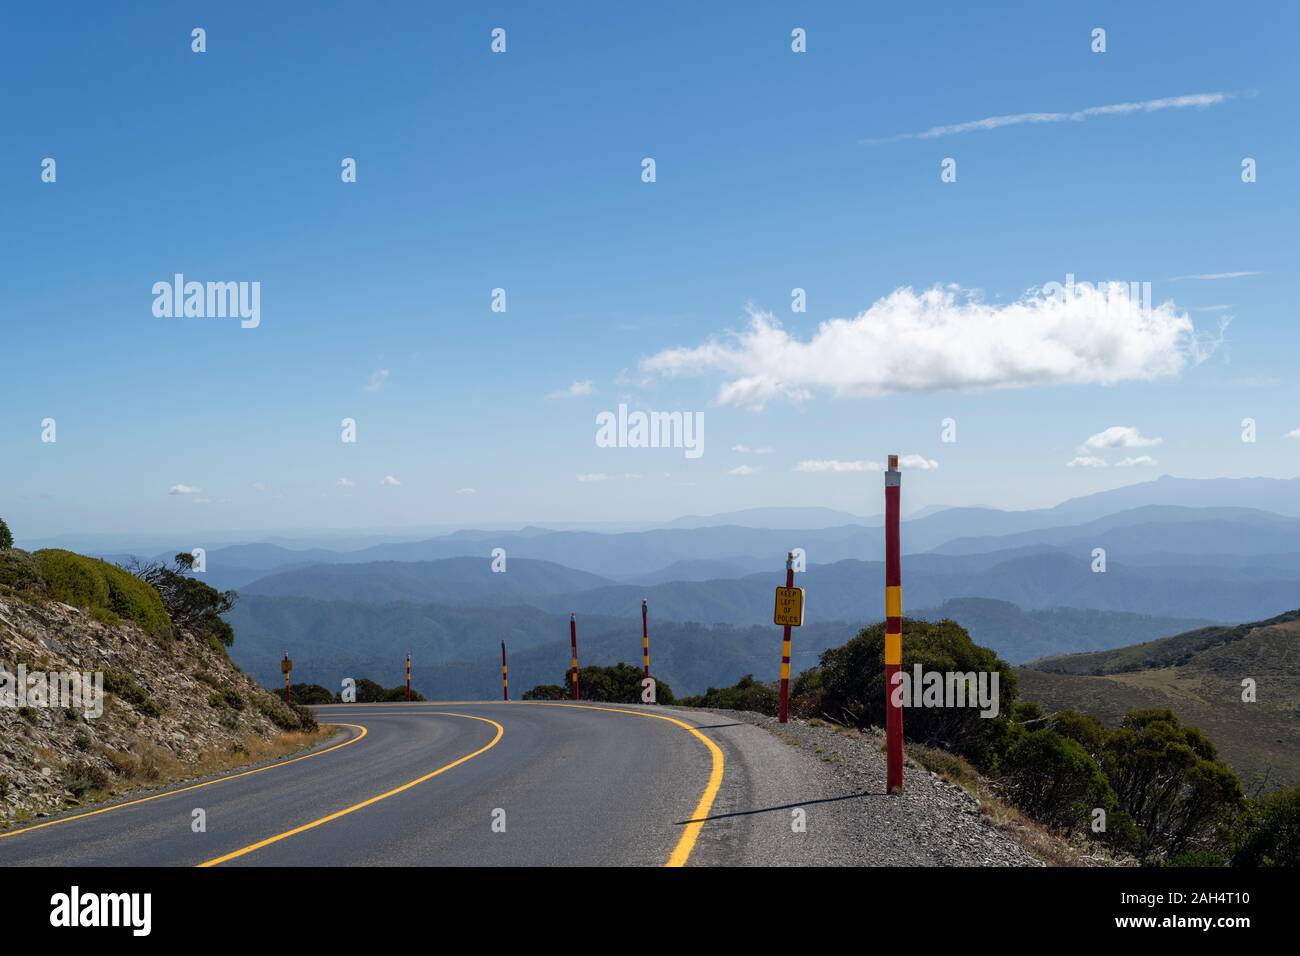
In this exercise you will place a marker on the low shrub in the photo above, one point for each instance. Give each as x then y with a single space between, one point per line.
99 586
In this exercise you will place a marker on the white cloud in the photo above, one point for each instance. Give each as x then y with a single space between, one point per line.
576 390
594 476
917 462
261 486
1086 461
1120 436
183 490
1139 460
746 450
377 380
631 475
822 465
935 340
390 481
744 470
466 491
1294 434
1211 276
345 483
1199 100
203 501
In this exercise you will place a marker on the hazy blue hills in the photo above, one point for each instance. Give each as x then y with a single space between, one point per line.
1239 531
456 652
1034 579
1279 495
313 631
1020 635
460 581
690 657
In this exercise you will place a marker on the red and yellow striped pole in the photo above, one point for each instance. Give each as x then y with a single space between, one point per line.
408 678
573 640
893 631
505 683
645 640
785 645
286 665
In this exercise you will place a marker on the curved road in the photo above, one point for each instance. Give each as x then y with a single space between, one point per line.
534 784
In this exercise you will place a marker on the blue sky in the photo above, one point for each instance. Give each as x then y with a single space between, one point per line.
523 171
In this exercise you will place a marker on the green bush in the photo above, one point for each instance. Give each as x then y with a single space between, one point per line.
1084 729
121 683
226 697
1269 832
745 694
285 716
853 688
83 777
6 536
1055 780
97 585
19 570
308 694
620 684
547 692
1170 780
370 692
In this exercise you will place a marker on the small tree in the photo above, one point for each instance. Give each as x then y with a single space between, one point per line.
6 536
192 605
1170 779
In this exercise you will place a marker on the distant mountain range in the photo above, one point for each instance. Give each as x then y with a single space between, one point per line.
458 581
1180 554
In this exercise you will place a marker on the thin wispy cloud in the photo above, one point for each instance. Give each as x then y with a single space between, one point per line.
1192 100
377 380
183 490
391 481
576 390
594 476
1120 436
1211 276
838 466
744 470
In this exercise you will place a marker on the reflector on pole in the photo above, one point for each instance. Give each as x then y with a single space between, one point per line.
408 678
645 640
573 640
505 684
893 631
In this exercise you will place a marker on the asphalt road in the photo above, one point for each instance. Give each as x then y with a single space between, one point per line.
471 784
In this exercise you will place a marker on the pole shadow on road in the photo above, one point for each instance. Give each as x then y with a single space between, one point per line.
784 806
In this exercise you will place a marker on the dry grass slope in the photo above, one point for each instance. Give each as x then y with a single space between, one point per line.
1199 677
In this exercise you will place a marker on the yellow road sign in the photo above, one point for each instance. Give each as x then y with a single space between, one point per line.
789 607
286 665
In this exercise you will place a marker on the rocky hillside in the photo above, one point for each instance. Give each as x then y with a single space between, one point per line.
174 706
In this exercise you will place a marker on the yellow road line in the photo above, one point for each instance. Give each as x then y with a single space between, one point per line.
196 786
681 853
364 803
